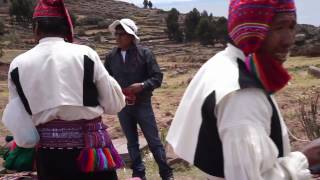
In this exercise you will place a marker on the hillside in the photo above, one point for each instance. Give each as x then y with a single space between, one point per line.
151 25
93 18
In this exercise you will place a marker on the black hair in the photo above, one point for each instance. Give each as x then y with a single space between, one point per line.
52 25
229 40
119 27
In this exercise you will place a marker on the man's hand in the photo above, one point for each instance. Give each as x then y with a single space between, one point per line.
312 152
135 88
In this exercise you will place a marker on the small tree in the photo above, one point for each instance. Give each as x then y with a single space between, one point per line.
145 3
90 20
210 17
1 33
205 31
309 113
1 51
221 33
173 29
204 14
150 4
74 19
2 27
191 22
22 10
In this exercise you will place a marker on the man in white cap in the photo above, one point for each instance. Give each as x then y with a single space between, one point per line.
138 73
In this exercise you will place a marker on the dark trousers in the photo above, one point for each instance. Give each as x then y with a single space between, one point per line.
143 115
56 164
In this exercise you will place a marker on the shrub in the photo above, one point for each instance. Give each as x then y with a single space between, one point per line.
2 30
191 22
205 31
173 29
82 32
1 51
74 19
97 37
221 33
309 113
91 20
22 10
103 24
13 38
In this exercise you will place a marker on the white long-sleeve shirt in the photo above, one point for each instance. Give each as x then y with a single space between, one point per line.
243 121
249 153
51 75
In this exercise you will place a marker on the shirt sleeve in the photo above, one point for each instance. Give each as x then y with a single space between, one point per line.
107 64
12 88
249 153
154 73
110 95
17 120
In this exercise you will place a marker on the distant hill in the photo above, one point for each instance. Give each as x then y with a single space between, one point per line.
307 41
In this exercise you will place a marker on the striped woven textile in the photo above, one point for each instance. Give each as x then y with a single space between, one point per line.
249 21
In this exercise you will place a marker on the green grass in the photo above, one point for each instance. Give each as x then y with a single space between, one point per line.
298 68
302 61
181 172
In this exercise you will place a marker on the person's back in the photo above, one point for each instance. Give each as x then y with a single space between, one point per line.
58 92
57 69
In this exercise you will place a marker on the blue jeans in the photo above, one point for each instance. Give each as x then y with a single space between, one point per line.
143 115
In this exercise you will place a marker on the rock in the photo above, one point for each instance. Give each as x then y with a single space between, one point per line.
169 122
307 42
168 114
172 158
309 50
219 45
121 146
163 69
315 71
300 38
307 29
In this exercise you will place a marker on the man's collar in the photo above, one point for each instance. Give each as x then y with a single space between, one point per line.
133 46
50 39
235 52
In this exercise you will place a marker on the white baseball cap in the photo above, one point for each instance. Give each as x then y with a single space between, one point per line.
128 25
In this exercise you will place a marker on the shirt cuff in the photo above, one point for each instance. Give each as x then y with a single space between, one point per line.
297 165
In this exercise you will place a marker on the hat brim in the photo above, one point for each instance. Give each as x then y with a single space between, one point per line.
112 29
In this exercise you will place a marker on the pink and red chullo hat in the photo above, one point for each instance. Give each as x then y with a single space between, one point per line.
249 21
54 8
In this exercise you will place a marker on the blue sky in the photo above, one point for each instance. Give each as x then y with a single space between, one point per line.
308 10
